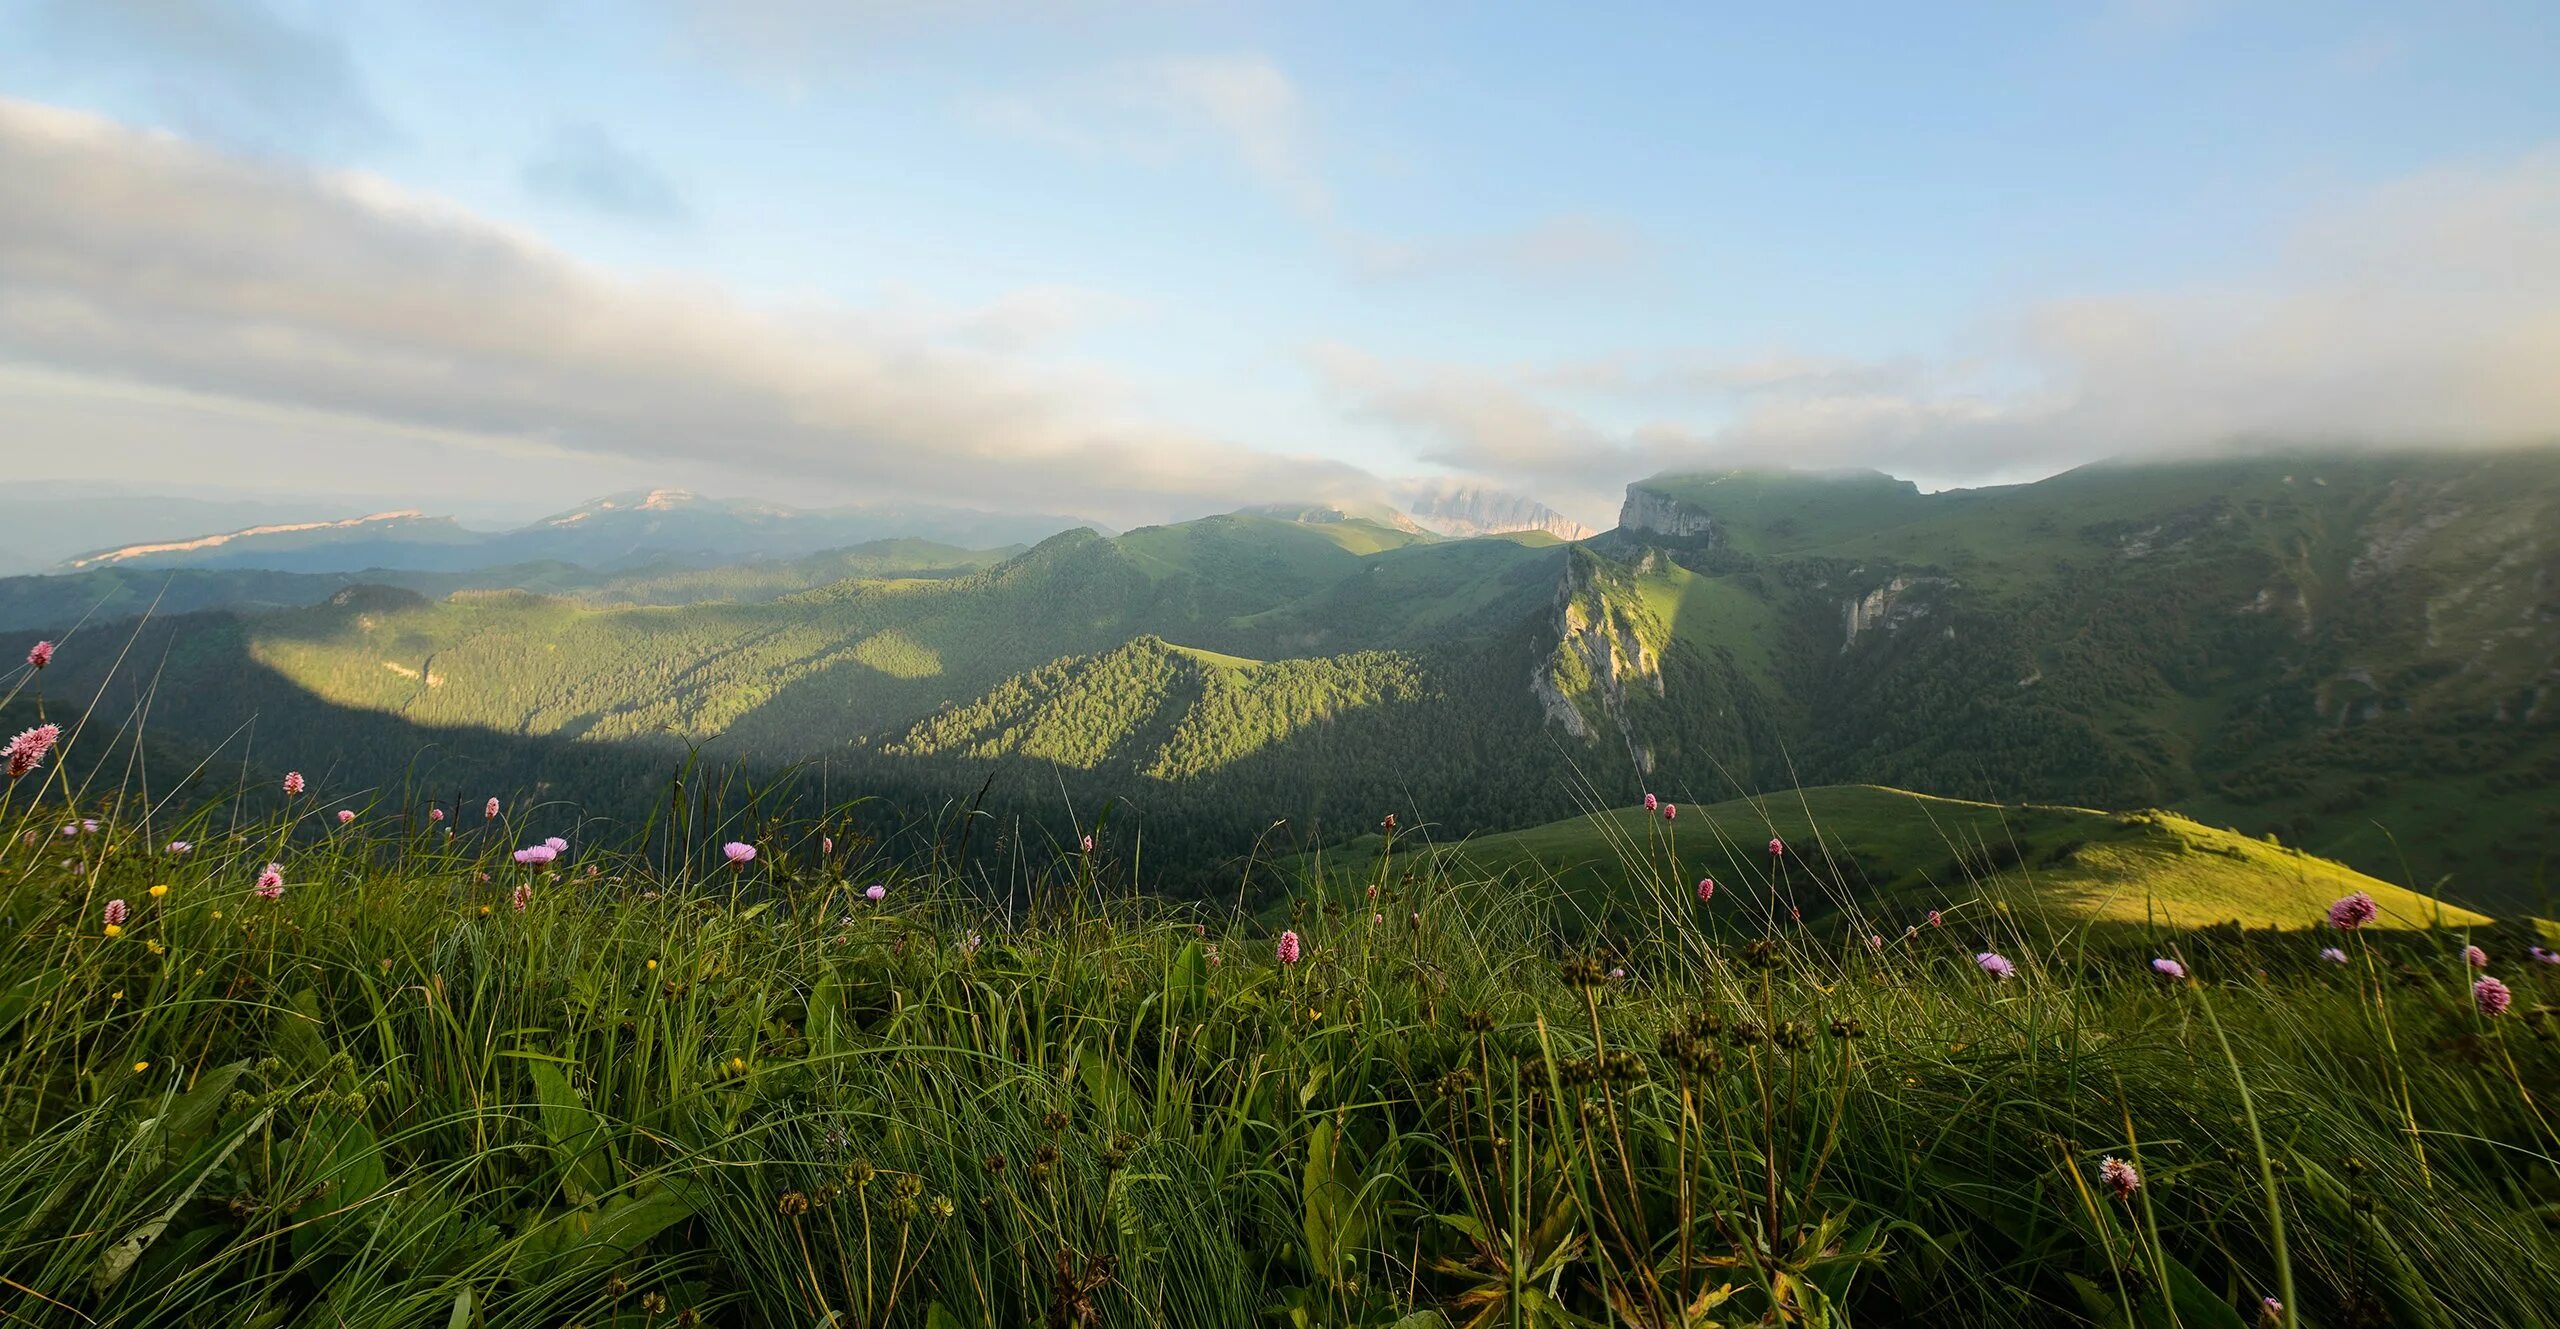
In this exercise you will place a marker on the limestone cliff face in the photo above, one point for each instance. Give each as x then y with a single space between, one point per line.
1887 608
1661 515
1607 647
1465 510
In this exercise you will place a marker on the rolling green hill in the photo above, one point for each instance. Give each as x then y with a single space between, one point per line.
2356 653
1891 855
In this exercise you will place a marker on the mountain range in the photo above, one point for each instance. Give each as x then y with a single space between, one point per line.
2355 654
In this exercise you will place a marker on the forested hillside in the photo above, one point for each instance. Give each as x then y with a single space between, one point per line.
2333 650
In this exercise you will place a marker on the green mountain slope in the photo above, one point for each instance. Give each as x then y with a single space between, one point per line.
1892 855
2356 653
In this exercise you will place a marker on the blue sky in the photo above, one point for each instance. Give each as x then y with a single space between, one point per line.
1150 259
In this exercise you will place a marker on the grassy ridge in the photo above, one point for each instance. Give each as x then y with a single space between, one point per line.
1898 854
638 1085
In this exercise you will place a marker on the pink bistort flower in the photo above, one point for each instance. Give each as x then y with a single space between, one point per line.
346 815
522 897
1289 947
40 654
271 882
2352 912
491 811
27 750
2119 1177
292 783
116 913
1706 889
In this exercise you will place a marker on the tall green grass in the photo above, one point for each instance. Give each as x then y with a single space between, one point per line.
667 1091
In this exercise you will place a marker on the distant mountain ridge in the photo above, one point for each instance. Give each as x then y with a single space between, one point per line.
2320 647
612 533
1461 509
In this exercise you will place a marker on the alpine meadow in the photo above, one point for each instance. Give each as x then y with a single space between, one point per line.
875 666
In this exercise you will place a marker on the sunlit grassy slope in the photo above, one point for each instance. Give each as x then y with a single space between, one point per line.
1896 853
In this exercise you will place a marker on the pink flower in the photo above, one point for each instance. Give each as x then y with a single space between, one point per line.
2541 956
2170 968
2119 1177
1377 918
1936 919
40 654
1996 965
739 853
1652 804
116 913
271 882
435 814
1875 943
1289 947
556 845
875 893
26 751
1776 846
826 844
491 811
1706 889
2333 955
180 846
1670 811
534 855
346 815
1618 974
1088 844
522 896
2352 912
2491 996
2475 957
292 783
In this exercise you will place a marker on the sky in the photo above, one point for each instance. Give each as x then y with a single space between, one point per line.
1147 259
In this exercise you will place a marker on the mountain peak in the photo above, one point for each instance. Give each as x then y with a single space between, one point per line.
1462 508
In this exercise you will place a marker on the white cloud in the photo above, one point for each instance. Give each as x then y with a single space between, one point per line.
144 257
2426 312
1567 249
1241 108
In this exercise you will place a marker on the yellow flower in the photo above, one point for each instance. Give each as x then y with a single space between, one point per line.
653 964
156 948
217 913
117 995
484 911
140 1066
159 890
114 930
737 1065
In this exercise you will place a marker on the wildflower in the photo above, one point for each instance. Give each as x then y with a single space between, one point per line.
292 783
534 855
1706 889
180 846
140 1066
1289 947
969 944
1390 822
2541 956
2119 1177
1875 943
26 751
1652 804
88 825
160 890
653 964
155 948
2475 957
875 893
739 853
2352 912
112 931
2270 1311
522 899
346 815
1996 965
491 812
271 882
2171 968
116 913
2333 955
1088 844
1777 846
2491 996
1618 975
1670 811
826 844
556 845
435 814
40 654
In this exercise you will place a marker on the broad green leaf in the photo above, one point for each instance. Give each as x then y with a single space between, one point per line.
577 1138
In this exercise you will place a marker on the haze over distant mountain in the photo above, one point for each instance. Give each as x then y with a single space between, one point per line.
612 533
1452 507
2328 648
